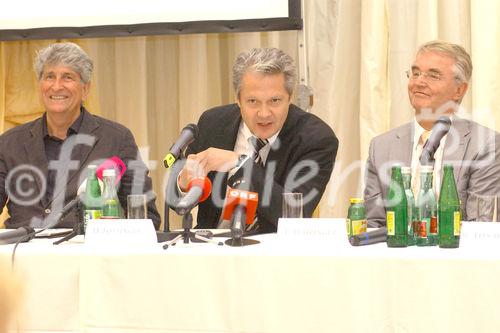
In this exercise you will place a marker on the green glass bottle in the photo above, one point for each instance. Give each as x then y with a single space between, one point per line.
92 203
396 211
427 233
356 217
449 216
410 200
111 205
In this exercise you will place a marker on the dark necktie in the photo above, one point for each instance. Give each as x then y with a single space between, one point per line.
257 145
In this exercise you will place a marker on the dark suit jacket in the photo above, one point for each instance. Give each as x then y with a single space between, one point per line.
23 169
472 149
304 137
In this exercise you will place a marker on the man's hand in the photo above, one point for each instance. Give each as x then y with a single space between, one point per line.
211 159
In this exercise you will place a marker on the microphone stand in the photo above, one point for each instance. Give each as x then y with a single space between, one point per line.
78 228
187 235
237 228
166 234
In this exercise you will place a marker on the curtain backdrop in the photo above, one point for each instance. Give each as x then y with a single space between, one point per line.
357 54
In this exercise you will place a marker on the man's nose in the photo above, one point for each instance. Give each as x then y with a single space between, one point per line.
57 83
264 111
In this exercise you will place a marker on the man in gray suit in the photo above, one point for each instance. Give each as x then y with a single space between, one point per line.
438 80
43 162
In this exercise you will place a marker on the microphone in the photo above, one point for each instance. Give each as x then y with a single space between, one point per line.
240 207
198 190
440 129
12 236
370 237
188 135
114 162
57 217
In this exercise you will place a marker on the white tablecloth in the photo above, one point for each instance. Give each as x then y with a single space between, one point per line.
275 286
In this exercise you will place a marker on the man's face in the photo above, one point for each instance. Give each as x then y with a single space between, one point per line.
436 85
264 103
62 90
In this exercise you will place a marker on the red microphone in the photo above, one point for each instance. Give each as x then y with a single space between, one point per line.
113 162
240 198
198 190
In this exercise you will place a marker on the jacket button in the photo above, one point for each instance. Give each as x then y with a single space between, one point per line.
47 211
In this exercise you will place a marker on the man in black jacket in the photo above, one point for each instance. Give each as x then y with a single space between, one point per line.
298 150
43 162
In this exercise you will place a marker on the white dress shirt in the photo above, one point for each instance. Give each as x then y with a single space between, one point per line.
417 151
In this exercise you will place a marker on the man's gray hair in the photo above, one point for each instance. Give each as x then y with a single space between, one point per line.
66 54
463 62
265 61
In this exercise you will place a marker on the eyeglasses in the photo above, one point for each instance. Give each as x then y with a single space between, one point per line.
413 74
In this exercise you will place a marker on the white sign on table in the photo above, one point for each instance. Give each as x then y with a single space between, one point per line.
480 235
314 229
120 232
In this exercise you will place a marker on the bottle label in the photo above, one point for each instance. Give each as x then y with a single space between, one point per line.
456 223
433 229
348 227
390 224
91 214
422 228
415 227
358 226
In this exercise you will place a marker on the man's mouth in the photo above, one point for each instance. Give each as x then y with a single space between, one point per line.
58 97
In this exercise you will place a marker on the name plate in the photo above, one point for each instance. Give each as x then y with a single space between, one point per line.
120 233
480 235
325 229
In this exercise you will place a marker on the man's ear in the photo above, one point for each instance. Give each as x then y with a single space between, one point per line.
461 90
85 91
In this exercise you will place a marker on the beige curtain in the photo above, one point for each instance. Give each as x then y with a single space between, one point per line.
357 54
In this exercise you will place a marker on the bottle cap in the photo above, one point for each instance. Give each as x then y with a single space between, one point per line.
406 170
356 200
109 173
427 168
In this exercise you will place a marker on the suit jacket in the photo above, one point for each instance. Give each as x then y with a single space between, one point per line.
303 137
472 149
23 169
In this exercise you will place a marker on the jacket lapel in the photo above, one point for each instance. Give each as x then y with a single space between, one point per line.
35 149
402 148
227 139
456 144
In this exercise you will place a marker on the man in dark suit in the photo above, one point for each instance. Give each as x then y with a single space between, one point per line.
298 150
43 162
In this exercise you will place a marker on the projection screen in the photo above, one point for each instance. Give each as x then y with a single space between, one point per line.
52 19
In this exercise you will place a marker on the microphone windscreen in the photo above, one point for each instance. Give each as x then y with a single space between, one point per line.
114 162
202 182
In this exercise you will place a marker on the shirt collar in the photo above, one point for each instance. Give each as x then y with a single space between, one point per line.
247 133
73 129
419 129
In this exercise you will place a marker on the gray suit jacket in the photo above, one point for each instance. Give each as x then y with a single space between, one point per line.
24 166
472 149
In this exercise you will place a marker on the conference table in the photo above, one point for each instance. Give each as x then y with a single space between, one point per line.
279 285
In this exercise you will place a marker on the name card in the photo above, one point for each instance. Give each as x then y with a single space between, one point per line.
120 233
480 235
324 229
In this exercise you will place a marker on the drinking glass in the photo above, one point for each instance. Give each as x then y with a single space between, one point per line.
292 205
136 206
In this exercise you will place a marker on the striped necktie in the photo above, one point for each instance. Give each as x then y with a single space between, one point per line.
257 145
416 180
